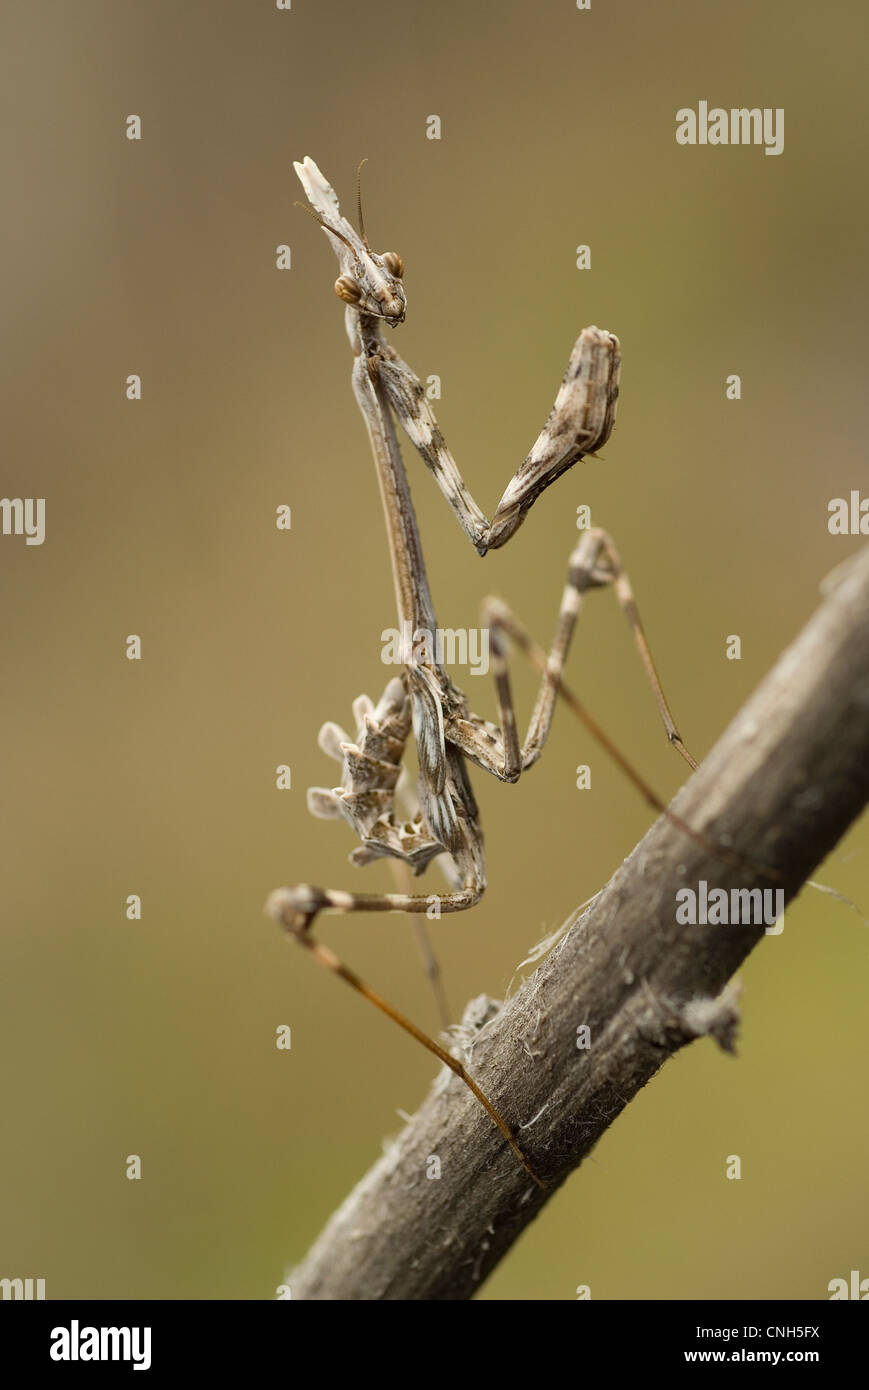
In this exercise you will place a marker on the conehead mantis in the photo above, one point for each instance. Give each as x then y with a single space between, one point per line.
422 702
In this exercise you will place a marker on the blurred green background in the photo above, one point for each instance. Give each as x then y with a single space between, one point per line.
157 777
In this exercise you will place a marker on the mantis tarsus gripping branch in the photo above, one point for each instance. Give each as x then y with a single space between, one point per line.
423 698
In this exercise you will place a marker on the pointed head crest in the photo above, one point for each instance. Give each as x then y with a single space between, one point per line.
368 281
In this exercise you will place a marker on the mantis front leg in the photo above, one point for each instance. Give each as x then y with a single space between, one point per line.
581 421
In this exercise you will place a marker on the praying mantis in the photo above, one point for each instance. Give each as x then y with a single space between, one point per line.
423 702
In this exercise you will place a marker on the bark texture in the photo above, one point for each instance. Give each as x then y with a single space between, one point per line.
781 786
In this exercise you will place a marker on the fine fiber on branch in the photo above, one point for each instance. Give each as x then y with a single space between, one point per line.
780 788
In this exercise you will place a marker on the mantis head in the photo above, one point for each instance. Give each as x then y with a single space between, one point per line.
369 282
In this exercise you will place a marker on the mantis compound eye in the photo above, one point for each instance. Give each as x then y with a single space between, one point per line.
348 289
394 264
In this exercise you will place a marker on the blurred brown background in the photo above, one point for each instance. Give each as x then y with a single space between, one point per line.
157 777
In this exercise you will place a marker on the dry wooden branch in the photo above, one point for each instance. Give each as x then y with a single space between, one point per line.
782 785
